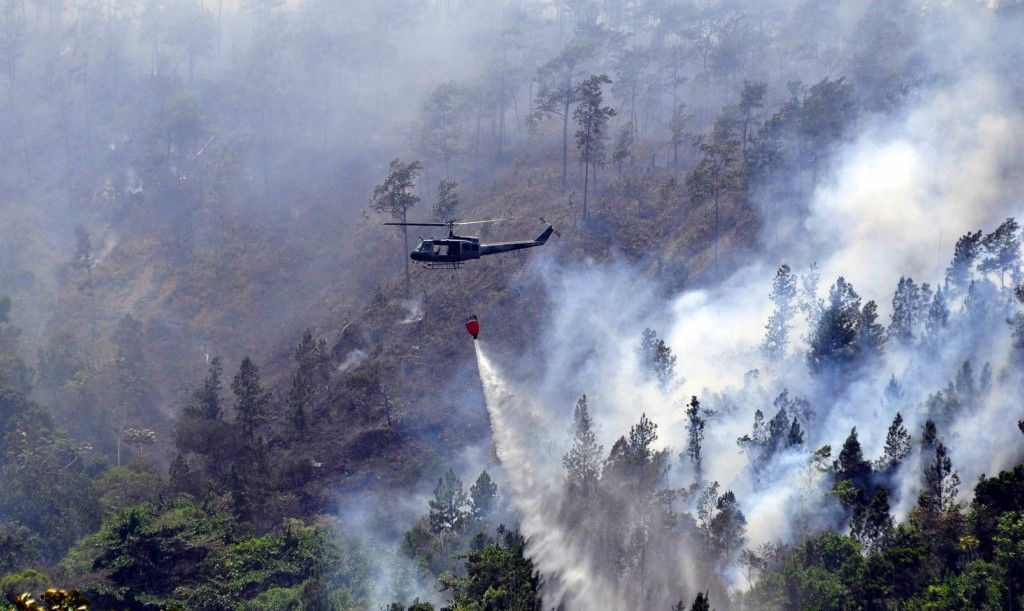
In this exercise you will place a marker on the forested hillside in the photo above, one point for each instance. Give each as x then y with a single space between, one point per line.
772 358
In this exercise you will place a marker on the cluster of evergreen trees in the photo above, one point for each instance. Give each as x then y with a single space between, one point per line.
939 558
633 527
640 534
243 453
476 562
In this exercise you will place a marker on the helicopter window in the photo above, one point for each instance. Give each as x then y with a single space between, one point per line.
424 246
441 249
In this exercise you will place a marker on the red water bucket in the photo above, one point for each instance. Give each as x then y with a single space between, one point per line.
473 326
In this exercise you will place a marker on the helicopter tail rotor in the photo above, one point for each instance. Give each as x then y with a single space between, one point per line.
553 230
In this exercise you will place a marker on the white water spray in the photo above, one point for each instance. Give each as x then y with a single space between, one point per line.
521 432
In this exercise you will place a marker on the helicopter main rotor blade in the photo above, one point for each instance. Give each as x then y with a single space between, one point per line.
448 224
479 222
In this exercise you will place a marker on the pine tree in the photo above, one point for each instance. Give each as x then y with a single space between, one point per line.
808 302
298 401
447 508
641 437
870 335
961 269
778 432
756 444
717 172
1002 252
795 436
311 357
447 200
556 93
893 392
905 303
701 603
583 460
252 402
677 131
623 147
483 495
394 197
851 466
206 399
440 124
937 318
982 305
873 525
783 295
695 438
833 340
179 475
897 446
964 383
657 358
591 119
941 482
84 261
924 301
928 435
801 410
706 508
728 527
759 430
311 354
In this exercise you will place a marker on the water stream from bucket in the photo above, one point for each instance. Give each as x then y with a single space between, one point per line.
520 430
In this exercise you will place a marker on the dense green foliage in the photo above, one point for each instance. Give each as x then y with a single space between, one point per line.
498 576
951 559
178 553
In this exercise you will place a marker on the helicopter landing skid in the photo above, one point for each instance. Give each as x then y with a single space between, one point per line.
450 265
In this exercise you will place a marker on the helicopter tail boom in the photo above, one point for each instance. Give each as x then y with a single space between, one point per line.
493 249
544 236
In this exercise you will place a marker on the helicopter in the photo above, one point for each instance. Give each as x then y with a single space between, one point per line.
453 251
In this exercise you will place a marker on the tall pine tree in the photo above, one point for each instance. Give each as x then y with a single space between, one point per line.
448 507
583 460
783 295
695 439
252 402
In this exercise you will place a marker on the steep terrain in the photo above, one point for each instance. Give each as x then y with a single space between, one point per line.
752 370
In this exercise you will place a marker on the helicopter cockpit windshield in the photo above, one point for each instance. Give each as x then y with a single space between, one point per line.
430 247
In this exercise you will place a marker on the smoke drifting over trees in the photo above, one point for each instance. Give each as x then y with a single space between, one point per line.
773 361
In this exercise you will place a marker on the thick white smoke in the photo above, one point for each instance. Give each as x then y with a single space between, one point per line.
907 189
895 201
